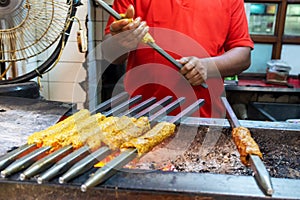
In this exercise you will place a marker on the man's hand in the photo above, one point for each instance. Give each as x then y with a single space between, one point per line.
194 70
129 32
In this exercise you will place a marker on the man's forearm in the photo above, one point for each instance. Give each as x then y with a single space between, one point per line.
230 63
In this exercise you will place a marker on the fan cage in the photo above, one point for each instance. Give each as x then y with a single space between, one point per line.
31 28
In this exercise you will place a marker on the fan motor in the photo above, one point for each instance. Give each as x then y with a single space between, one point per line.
4 3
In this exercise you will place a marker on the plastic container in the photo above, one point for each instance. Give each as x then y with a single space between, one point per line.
277 71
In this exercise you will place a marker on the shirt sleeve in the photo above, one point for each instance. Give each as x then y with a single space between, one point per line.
120 6
238 35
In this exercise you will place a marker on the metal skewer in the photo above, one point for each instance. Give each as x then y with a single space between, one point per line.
42 152
125 157
60 167
84 165
63 165
25 161
89 161
8 158
153 45
25 149
261 174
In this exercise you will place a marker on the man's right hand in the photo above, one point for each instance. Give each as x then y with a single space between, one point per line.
129 32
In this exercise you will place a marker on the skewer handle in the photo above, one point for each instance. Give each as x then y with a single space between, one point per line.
126 156
230 114
109 169
261 174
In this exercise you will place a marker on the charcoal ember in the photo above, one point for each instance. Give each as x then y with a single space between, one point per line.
220 157
281 152
212 150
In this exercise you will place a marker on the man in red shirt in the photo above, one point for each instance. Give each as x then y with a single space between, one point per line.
209 38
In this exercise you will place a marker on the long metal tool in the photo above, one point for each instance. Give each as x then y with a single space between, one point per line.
152 44
10 157
88 162
25 149
41 153
261 174
63 164
125 157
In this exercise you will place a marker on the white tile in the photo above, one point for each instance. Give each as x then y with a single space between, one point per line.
99 13
82 11
99 31
44 90
72 54
80 105
110 2
66 92
68 72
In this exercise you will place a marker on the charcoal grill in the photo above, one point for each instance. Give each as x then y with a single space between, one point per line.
279 142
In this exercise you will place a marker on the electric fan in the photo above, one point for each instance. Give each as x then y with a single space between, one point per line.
28 28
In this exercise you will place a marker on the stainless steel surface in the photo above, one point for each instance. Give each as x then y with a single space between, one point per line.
46 162
155 107
85 164
25 161
123 106
109 169
126 156
8 158
62 165
134 182
111 102
145 104
230 113
167 109
261 174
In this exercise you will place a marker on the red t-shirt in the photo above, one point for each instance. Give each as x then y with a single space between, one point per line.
183 28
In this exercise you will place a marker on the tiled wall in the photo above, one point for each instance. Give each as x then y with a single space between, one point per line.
69 81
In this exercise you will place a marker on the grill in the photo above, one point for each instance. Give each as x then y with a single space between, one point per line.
185 168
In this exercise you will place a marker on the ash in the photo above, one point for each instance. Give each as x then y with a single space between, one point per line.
212 151
220 157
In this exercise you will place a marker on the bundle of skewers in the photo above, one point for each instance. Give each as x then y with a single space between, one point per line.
73 146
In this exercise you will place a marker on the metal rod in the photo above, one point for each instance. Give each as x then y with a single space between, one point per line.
122 107
25 161
141 106
10 157
169 108
230 114
109 169
125 157
108 9
45 162
261 174
62 165
85 164
153 45
110 102
188 111
155 107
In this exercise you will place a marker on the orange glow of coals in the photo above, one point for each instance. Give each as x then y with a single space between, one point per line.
106 160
